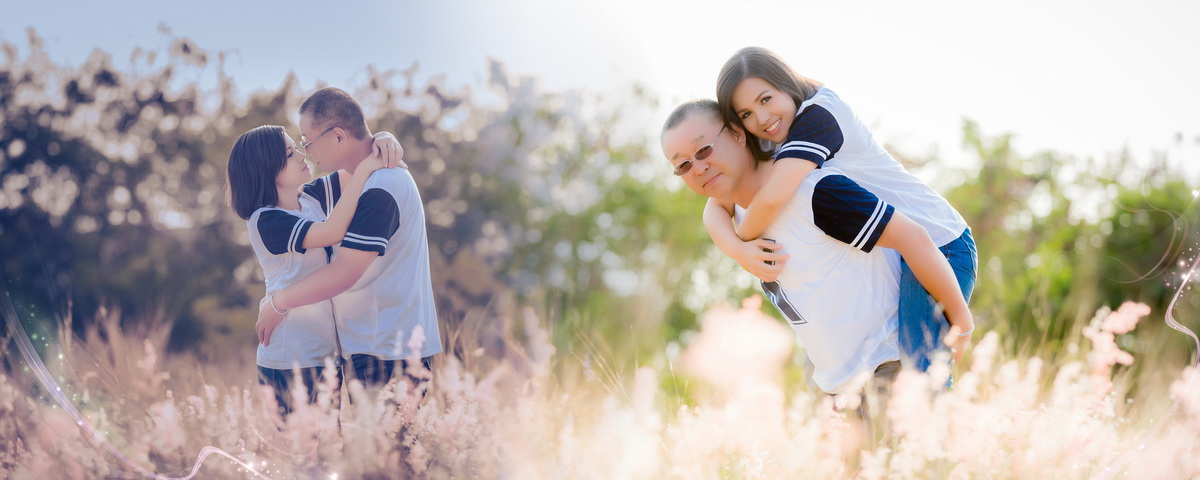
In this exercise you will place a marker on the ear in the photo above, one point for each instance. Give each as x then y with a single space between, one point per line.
340 134
738 134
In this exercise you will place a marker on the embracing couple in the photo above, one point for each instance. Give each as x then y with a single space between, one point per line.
871 267
345 256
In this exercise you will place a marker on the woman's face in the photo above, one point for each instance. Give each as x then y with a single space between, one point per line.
295 171
765 111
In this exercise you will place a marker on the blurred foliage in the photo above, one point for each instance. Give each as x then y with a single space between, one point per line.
109 192
1060 237
112 195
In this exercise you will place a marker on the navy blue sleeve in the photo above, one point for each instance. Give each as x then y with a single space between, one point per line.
282 232
815 136
325 190
374 222
848 212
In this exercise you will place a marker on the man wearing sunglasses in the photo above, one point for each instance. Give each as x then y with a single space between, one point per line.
837 290
379 277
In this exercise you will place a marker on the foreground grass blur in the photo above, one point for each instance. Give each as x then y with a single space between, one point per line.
733 404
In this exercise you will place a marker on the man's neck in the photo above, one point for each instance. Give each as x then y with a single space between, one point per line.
751 183
359 151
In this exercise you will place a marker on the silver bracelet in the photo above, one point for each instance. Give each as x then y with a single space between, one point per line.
272 297
964 334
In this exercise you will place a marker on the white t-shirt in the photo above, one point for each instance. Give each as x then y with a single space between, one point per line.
827 132
307 335
837 291
380 312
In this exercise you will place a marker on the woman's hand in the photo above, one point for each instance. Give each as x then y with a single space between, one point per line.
389 148
268 319
959 338
761 258
371 164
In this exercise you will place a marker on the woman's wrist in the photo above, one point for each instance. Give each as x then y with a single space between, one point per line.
277 303
962 320
964 329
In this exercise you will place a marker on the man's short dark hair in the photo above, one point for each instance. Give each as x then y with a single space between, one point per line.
333 107
689 108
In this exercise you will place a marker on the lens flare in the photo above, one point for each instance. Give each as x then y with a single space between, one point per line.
34 362
1122 461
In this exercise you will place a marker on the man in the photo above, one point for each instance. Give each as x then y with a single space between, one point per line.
379 278
838 292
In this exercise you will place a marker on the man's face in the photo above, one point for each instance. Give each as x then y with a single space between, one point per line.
718 174
318 144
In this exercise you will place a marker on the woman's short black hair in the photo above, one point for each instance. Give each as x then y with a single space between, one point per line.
256 159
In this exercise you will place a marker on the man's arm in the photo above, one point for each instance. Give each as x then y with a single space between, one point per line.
752 255
718 220
323 284
374 222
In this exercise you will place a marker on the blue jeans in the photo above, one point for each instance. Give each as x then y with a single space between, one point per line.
920 332
369 369
374 372
280 382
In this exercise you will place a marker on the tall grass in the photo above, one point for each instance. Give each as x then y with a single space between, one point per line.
732 404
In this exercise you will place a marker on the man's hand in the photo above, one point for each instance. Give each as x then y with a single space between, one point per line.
761 258
268 319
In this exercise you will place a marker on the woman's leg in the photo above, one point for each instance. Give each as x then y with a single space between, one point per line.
964 259
919 329
275 387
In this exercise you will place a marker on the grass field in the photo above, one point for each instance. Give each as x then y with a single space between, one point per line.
733 403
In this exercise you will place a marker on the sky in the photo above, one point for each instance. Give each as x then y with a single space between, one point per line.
1085 78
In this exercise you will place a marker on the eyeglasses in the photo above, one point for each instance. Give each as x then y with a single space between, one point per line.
304 143
701 154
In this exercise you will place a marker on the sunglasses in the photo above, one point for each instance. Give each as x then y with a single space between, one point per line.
701 154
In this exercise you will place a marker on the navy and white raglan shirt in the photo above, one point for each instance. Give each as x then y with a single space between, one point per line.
307 336
323 192
827 132
839 291
379 314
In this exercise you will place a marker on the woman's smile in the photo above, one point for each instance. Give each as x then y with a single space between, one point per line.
774 127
